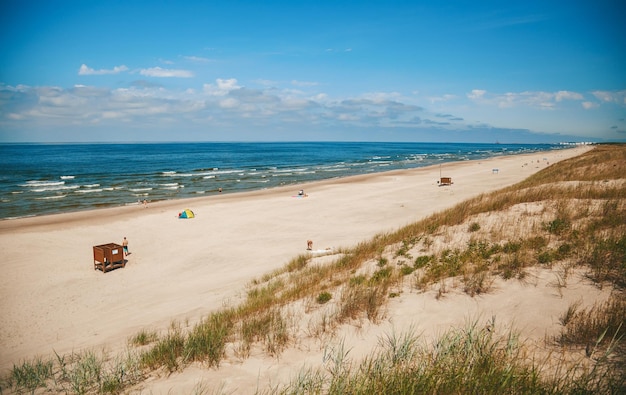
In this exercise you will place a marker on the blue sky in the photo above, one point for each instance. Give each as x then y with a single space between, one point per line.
463 71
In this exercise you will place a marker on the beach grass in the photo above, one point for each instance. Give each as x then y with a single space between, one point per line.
570 215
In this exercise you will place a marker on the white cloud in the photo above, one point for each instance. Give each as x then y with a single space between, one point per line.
166 73
224 86
587 105
229 103
303 83
532 99
611 96
446 97
228 84
86 70
197 59
476 94
567 95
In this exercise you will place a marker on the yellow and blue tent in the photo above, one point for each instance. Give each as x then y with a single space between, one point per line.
186 214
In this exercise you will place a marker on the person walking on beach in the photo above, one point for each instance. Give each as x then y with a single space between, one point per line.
125 246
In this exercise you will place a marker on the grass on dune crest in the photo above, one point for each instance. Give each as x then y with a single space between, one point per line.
569 216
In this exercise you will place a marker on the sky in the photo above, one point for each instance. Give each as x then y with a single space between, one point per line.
425 71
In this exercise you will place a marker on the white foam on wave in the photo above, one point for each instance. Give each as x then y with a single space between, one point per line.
173 187
291 170
21 216
175 174
140 189
88 190
37 183
55 188
67 177
258 181
51 197
219 172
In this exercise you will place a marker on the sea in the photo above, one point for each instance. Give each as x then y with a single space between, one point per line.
41 179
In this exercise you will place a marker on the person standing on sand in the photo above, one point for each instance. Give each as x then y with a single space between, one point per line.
125 246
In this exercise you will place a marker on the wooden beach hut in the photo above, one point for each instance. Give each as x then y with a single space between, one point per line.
107 257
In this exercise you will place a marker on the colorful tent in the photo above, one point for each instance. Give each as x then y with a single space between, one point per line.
186 214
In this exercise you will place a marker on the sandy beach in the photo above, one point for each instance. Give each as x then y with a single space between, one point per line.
54 301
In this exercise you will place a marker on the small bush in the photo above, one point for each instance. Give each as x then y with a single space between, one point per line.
324 297
422 261
381 275
382 261
511 247
406 270
357 280
474 227
545 257
144 337
31 376
558 226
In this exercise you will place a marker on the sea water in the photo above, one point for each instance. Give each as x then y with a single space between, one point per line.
39 179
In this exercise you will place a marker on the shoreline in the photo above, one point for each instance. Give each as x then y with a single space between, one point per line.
183 269
70 216
56 203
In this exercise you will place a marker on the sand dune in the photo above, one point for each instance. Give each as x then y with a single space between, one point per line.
53 299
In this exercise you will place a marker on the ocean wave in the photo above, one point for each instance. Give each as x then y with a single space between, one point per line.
176 174
92 190
291 170
258 181
21 216
220 172
36 183
67 177
55 188
51 197
140 189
